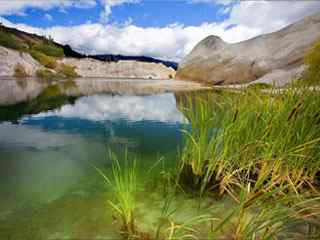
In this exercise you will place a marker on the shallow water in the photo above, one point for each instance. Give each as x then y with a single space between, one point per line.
48 188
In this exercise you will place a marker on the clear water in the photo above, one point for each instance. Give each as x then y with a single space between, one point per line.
48 188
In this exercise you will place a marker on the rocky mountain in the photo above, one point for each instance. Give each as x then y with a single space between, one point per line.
275 57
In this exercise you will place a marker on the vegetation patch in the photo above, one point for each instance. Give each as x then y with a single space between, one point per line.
20 71
46 61
46 74
312 61
10 41
48 48
67 71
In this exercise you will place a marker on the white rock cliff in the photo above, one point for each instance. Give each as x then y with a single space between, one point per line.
275 57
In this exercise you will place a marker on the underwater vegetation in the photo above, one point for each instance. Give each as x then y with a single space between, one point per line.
259 152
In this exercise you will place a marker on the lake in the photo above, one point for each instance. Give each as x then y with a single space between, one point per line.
49 188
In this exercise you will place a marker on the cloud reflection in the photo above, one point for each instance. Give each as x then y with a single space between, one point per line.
160 108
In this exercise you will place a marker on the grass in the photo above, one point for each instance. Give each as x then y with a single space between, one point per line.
261 150
44 60
124 188
46 74
312 61
67 71
10 41
260 86
254 134
49 49
63 71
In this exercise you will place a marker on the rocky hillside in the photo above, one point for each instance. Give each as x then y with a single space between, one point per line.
23 54
88 67
275 57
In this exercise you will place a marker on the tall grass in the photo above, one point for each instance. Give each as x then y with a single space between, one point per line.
124 186
254 135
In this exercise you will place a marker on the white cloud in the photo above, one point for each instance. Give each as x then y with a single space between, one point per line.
9 7
160 108
108 4
48 17
24 136
172 42
268 16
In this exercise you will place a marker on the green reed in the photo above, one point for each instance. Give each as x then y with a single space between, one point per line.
254 134
124 187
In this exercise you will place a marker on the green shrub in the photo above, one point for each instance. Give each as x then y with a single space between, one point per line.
47 74
312 61
68 71
48 49
19 71
10 41
47 61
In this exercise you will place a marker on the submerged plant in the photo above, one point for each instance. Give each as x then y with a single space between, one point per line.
124 187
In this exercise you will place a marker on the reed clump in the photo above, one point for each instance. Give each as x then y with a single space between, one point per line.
123 183
263 151
251 135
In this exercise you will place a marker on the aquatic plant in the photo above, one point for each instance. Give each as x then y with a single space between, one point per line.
268 213
254 134
259 149
124 187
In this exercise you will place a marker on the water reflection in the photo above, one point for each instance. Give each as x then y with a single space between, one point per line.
14 91
46 156
132 108
149 122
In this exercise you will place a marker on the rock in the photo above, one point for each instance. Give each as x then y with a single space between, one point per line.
267 57
10 58
88 67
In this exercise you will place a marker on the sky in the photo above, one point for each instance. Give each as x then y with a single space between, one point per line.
165 29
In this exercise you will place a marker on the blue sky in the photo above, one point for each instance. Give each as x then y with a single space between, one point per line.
166 29
147 13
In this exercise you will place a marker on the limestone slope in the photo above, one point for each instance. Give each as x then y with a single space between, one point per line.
262 58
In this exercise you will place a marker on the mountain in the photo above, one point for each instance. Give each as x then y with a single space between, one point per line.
274 57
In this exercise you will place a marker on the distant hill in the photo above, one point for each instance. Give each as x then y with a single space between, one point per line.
25 40
116 58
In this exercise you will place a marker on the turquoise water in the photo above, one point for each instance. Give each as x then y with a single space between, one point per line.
48 188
